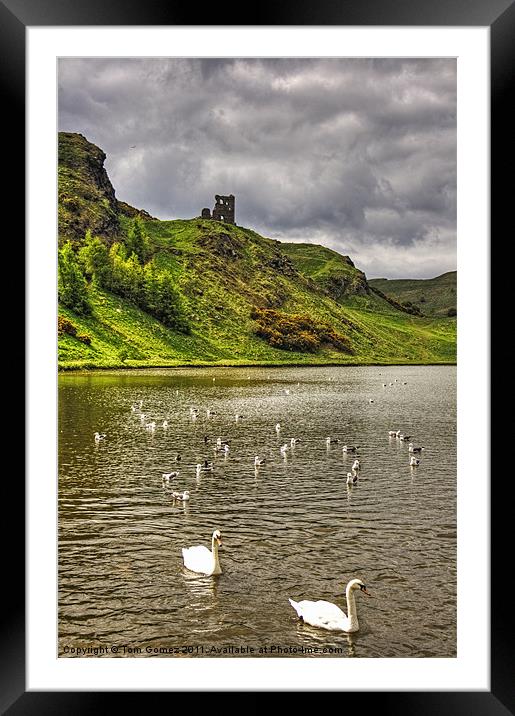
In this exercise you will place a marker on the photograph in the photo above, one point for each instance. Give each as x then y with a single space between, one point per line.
257 326
258 354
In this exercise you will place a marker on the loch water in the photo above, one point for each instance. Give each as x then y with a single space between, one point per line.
292 528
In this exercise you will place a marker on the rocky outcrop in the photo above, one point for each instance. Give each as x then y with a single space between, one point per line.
341 286
132 213
223 245
282 264
86 196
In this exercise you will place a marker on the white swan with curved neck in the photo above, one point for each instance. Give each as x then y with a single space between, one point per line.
202 560
327 615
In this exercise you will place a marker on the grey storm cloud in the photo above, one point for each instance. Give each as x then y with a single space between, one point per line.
355 154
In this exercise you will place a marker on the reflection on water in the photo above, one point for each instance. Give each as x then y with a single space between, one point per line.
291 527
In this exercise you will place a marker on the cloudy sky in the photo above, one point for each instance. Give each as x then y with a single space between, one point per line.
355 154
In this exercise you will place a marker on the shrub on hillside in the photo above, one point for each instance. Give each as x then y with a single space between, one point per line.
295 332
65 327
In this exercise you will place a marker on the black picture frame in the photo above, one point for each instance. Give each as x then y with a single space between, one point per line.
499 16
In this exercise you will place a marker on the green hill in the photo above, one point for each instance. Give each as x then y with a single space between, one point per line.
205 292
433 296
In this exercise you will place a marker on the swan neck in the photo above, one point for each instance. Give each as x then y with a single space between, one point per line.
351 608
214 550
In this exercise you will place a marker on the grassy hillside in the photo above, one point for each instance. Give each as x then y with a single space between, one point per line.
331 271
434 296
244 296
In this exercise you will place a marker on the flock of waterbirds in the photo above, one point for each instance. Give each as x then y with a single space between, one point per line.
204 561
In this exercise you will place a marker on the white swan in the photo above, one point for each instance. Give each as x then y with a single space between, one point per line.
277 427
329 441
351 479
327 615
258 461
165 423
181 496
99 437
350 448
414 461
201 559
392 433
356 465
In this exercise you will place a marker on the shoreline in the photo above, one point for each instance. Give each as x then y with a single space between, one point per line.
199 365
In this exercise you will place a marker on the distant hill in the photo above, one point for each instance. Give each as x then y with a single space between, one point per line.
433 296
242 298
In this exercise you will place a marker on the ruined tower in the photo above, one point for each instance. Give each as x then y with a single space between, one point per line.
223 209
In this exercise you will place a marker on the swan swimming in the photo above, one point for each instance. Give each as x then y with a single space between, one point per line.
258 461
169 475
356 465
414 462
327 615
277 427
181 496
350 448
351 479
202 560
330 441
99 437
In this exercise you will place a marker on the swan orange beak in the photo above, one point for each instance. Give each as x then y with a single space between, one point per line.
219 542
364 590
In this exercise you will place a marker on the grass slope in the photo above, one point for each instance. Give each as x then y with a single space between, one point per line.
439 293
330 270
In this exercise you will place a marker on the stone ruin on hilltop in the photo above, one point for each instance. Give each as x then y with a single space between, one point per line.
222 211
